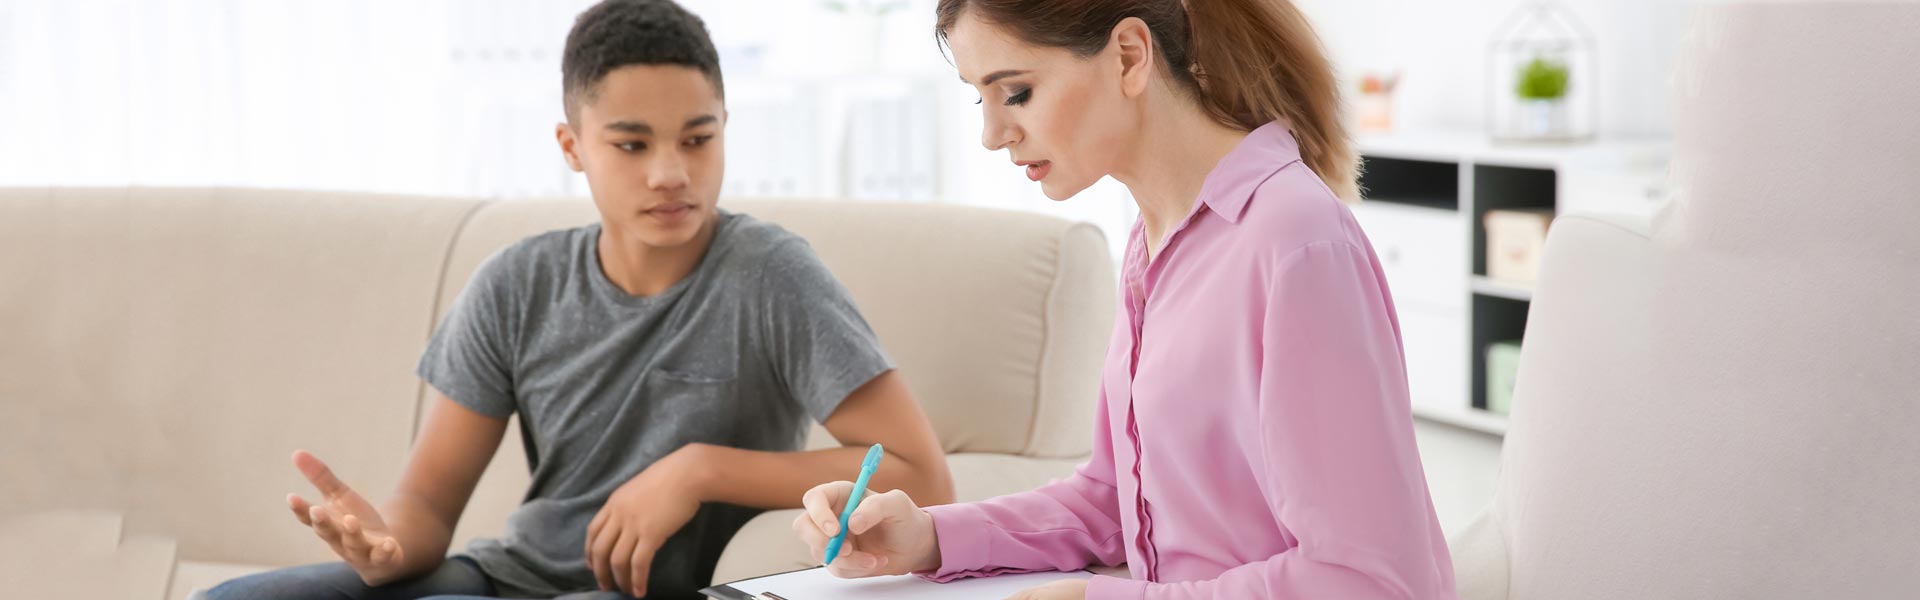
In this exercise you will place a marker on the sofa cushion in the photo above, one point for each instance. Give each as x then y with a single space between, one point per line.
81 554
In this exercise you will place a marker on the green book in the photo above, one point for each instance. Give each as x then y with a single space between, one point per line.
1503 363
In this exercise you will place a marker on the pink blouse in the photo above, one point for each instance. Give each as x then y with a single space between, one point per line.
1254 437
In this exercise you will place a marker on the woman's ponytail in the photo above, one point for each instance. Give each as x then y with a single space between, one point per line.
1257 61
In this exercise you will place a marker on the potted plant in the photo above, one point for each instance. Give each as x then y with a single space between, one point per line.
1541 80
1542 89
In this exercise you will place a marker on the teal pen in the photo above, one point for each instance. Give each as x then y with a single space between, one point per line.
867 468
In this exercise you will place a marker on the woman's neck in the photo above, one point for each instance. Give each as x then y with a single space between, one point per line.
1178 145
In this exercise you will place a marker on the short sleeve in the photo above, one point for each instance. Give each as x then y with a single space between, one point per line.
820 346
470 355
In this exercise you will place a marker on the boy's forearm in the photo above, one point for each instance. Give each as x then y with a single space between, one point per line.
776 480
422 535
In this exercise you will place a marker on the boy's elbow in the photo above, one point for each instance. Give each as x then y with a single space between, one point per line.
932 482
940 489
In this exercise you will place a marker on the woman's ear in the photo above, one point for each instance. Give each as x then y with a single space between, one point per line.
1133 43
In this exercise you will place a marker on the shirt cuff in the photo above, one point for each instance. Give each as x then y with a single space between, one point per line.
962 531
1103 587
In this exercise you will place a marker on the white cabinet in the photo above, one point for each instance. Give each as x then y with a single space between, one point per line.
1426 197
1436 368
1421 251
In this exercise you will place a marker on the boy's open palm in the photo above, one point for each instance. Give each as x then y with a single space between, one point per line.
347 523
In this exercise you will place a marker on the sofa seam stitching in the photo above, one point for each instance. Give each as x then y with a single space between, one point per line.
439 293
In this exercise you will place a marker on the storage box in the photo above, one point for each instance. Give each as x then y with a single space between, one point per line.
1503 363
1515 240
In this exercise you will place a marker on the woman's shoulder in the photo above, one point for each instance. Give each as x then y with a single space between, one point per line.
1295 209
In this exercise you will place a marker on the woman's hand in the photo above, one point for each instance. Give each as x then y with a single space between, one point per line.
889 535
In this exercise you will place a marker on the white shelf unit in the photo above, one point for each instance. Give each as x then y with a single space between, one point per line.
1486 286
1427 193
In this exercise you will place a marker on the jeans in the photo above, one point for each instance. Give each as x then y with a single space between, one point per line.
336 581
573 596
456 579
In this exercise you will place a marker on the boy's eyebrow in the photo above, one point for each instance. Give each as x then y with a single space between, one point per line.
641 128
631 127
994 76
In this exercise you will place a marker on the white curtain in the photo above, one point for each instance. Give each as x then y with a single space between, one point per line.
459 97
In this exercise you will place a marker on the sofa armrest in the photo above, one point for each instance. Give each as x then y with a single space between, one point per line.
766 544
979 476
82 554
1480 561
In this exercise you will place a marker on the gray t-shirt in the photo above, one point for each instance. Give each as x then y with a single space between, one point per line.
758 339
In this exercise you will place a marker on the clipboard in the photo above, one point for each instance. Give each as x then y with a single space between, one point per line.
726 591
817 584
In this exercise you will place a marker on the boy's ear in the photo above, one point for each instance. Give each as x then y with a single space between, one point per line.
564 134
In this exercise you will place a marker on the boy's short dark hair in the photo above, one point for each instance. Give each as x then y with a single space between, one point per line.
617 33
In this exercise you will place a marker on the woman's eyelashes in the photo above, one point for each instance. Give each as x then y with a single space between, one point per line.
1019 98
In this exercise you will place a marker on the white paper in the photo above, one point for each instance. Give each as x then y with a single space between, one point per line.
818 584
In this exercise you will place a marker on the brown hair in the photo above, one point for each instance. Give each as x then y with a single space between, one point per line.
1248 62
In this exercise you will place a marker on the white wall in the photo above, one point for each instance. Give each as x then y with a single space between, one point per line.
1441 47
460 96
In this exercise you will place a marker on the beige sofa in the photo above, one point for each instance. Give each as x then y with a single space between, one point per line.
1723 402
162 351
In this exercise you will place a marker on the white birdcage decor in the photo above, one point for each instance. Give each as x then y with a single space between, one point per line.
1541 78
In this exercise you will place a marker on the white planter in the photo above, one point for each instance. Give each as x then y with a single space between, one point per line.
1543 118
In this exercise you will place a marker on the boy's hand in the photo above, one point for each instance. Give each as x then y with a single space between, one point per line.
638 518
348 523
889 534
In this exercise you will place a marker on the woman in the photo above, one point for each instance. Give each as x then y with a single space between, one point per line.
1254 438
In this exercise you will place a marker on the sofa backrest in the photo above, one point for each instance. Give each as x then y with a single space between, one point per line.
162 351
